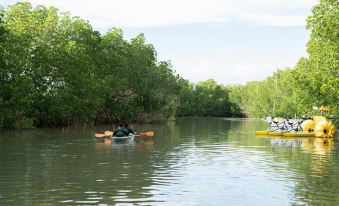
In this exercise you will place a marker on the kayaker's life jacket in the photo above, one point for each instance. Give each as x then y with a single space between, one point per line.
120 133
129 130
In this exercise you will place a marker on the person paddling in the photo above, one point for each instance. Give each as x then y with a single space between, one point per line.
128 130
120 132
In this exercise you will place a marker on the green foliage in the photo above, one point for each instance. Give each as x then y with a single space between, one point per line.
56 70
49 66
323 48
275 96
206 99
134 80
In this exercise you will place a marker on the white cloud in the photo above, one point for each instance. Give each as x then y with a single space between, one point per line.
224 72
152 13
272 20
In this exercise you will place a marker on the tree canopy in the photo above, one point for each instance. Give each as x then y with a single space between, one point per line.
56 70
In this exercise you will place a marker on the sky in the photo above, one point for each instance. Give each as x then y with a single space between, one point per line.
230 41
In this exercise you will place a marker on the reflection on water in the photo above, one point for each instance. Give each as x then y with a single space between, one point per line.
316 146
318 178
188 162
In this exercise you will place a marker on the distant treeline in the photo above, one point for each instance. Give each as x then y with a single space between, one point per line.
206 99
55 70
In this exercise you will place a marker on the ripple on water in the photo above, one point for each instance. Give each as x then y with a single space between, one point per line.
189 164
86 201
66 201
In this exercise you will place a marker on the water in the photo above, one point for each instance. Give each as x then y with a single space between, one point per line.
188 162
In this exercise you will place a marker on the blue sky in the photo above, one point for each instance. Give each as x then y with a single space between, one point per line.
231 41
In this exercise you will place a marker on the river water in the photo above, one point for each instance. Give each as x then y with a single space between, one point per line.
187 162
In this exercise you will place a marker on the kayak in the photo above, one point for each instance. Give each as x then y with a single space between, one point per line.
124 138
299 134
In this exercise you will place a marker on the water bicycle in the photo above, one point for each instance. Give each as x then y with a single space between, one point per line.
316 126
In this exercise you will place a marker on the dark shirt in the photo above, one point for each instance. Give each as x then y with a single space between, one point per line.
120 132
129 130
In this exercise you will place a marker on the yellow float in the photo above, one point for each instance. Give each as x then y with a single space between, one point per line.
262 132
317 119
298 134
308 125
324 129
275 133
268 133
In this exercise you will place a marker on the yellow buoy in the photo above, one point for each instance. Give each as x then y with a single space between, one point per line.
308 125
324 129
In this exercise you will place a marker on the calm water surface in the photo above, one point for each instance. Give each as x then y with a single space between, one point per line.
188 162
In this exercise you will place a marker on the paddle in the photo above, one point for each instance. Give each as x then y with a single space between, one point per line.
144 135
106 134
100 135
141 135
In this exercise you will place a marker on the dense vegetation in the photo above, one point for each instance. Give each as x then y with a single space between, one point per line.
56 70
206 99
314 81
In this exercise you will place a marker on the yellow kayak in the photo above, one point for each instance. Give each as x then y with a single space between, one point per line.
298 134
